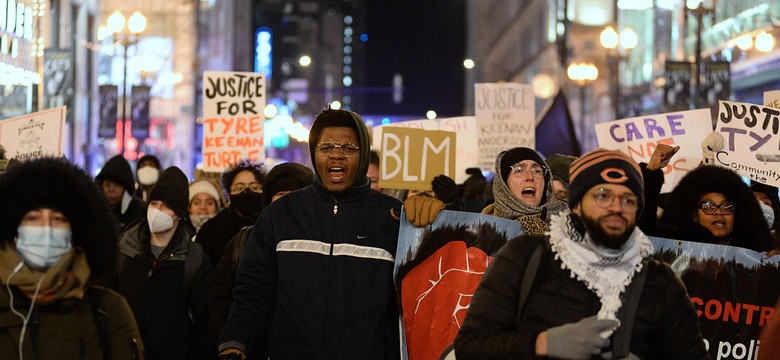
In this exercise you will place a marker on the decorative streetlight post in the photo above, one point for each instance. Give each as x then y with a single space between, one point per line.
581 74
610 39
126 37
699 12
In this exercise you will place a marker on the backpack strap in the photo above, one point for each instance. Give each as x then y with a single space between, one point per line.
621 342
239 243
535 262
100 318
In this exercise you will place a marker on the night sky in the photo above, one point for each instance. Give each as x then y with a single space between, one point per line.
424 41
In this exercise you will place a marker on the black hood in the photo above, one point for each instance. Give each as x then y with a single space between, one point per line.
342 118
57 184
117 169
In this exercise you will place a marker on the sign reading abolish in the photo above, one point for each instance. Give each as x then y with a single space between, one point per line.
411 158
638 137
752 144
233 104
506 119
33 135
466 147
733 290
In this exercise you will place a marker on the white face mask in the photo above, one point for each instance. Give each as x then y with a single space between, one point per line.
148 175
42 246
769 213
158 220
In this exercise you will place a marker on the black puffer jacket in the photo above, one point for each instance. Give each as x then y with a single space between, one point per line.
172 319
665 326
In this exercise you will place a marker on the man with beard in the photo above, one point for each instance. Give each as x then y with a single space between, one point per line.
592 295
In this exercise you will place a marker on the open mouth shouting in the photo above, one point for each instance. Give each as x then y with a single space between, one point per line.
336 174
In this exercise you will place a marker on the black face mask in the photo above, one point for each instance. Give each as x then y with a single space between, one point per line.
248 203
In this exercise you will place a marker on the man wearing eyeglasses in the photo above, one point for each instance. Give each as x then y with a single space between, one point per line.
590 293
318 265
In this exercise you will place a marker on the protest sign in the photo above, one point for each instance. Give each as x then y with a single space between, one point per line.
772 99
466 141
506 119
411 158
233 104
734 291
33 135
638 137
437 270
752 143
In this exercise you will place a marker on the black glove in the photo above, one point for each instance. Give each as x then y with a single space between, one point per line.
445 189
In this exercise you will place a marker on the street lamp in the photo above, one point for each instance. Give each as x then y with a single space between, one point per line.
699 12
126 36
581 74
614 42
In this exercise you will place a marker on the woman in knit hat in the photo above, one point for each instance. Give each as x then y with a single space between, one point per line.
57 235
523 190
204 202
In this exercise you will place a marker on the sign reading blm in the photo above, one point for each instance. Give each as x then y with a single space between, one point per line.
233 104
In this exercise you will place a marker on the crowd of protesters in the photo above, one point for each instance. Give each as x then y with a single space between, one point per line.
298 263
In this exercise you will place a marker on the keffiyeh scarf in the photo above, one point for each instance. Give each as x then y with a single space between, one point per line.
604 271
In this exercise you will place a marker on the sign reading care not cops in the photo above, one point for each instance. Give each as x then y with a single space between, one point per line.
465 150
33 135
506 119
752 144
411 158
638 137
233 104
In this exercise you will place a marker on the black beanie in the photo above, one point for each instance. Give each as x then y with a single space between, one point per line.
516 155
559 166
602 166
285 177
173 189
117 169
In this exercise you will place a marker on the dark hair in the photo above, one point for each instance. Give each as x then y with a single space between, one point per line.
257 169
373 158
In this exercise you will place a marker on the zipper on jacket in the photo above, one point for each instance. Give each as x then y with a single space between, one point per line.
335 209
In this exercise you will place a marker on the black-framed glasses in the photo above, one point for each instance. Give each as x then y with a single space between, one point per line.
708 207
239 188
522 169
347 150
605 198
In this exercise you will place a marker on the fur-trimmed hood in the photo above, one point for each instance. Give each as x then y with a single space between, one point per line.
750 230
57 184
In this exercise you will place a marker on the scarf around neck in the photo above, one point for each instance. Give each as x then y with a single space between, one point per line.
65 279
604 271
508 206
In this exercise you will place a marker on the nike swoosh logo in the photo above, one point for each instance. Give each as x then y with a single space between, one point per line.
362 237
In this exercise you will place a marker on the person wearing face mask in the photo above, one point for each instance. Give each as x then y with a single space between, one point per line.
204 202
164 275
116 181
770 204
147 172
57 236
244 184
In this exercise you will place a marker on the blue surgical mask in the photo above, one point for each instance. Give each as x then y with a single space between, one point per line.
42 246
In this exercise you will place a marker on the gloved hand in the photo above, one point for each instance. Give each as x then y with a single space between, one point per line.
232 354
422 210
579 340
445 189
709 146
